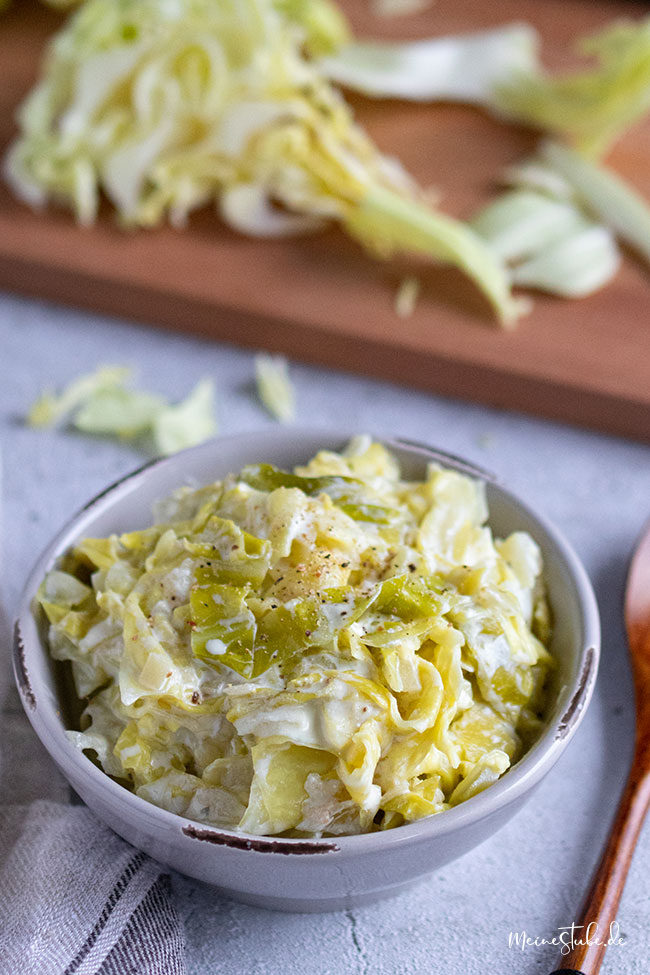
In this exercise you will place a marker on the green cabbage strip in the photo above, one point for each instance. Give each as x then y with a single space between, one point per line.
274 386
605 194
549 244
575 266
50 409
167 107
406 600
520 222
593 106
345 492
324 23
499 69
230 627
267 477
101 403
463 67
232 555
185 424
226 631
388 222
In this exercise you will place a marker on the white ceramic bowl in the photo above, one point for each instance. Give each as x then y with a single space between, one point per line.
298 874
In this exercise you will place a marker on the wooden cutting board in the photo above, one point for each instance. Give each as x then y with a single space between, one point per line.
322 299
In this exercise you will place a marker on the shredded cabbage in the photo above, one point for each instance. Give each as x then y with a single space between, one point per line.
407 297
605 194
100 402
459 68
550 244
541 233
318 652
499 69
165 107
574 266
50 410
593 106
399 8
184 424
520 222
322 21
118 412
274 386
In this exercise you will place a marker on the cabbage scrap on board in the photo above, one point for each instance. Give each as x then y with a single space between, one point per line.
500 70
457 67
325 26
326 651
165 107
550 244
592 106
563 215
605 194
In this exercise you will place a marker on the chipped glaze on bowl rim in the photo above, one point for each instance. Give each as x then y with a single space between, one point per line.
30 660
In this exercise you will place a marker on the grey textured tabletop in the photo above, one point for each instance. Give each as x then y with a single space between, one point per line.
531 875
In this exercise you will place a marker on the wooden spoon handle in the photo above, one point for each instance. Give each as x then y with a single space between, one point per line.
600 907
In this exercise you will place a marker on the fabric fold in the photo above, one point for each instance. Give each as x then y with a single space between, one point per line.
76 899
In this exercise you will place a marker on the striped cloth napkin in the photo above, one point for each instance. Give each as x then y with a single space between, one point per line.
75 899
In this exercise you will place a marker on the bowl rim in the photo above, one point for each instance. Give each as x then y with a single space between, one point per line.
562 724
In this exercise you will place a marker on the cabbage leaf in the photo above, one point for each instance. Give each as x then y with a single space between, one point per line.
101 403
551 244
274 386
458 68
592 106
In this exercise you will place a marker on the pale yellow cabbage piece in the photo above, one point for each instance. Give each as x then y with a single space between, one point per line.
550 244
100 402
592 106
274 386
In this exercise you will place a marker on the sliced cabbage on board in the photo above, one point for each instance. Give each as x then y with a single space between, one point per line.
557 230
500 69
166 107
322 651
549 244
559 225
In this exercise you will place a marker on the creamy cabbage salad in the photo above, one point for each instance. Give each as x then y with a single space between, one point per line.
327 651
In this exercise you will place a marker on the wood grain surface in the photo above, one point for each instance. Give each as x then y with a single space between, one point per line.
322 299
